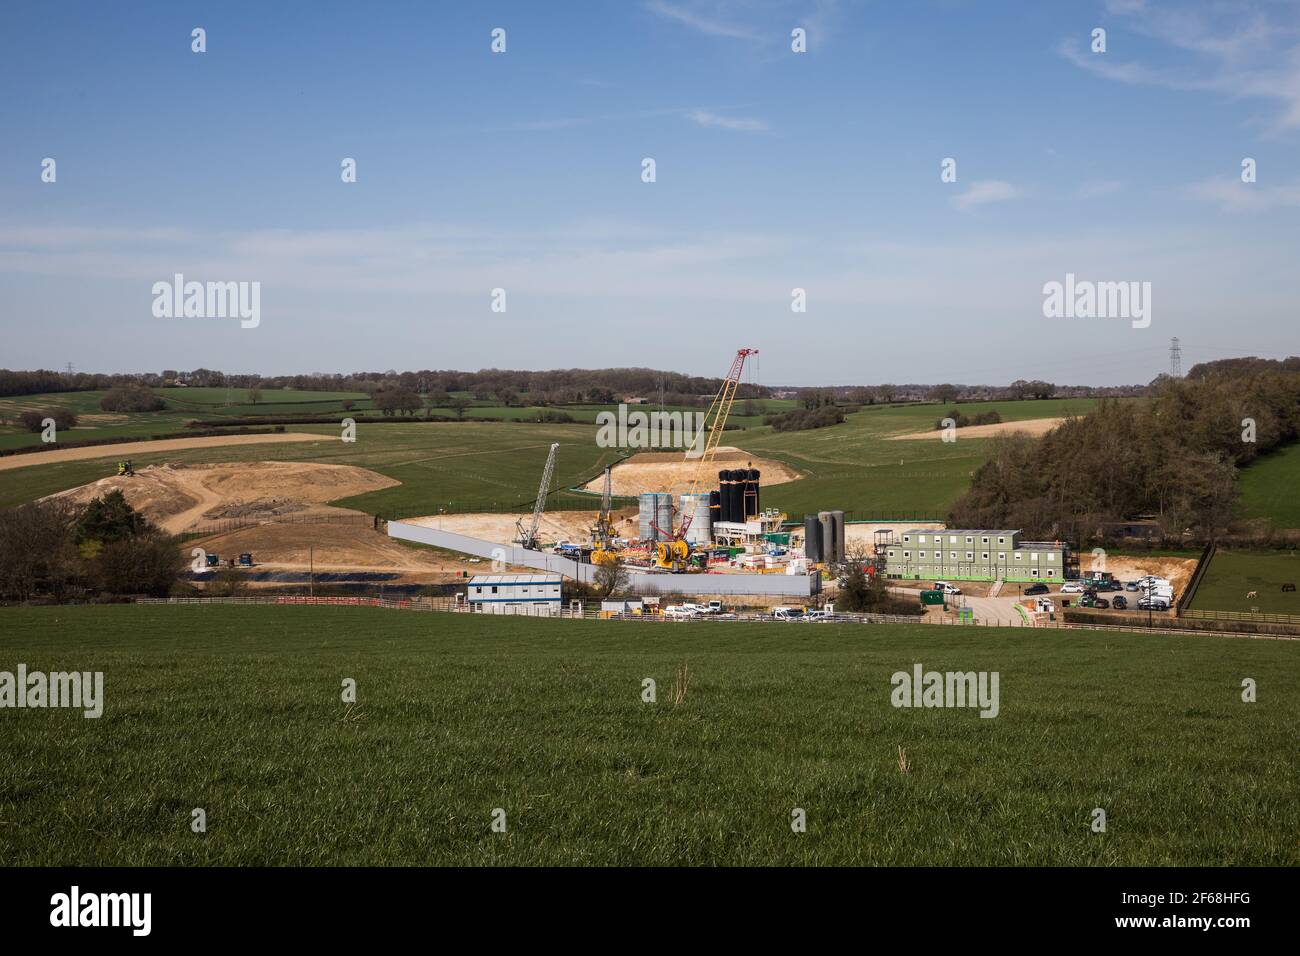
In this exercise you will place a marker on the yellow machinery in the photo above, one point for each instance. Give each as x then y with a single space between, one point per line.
602 536
671 555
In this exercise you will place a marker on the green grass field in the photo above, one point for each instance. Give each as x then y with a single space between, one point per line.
454 465
496 466
1233 574
1268 487
237 710
856 467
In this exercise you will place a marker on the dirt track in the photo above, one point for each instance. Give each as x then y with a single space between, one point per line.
1033 426
665 471
136 448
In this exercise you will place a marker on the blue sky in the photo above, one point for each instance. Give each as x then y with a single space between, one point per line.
775 170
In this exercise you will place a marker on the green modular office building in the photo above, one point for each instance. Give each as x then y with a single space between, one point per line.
927 554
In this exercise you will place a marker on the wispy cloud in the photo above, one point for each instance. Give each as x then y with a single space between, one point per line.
986 191
1235 54
569 122
705 24
1232 195
707 119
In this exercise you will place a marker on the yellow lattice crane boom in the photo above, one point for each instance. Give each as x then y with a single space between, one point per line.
710 437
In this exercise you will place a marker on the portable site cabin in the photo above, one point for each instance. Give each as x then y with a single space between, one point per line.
536 593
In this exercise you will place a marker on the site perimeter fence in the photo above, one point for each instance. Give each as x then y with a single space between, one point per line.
1252 617
225 525
592 613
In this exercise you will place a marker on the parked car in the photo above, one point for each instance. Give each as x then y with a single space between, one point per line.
1152 604
681 611
1038 589
1119 602
1131 586
1074 587
1114 586
946 588
1101 603
787 613
817 616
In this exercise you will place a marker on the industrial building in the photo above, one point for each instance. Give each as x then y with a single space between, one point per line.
926 554
534 594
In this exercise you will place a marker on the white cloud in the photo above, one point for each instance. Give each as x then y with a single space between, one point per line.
986 191
703 24
1236 55
1232 195
707 119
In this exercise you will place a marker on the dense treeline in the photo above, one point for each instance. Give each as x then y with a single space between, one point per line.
55 549
553 387
131 398
959 420
801 419
1174 457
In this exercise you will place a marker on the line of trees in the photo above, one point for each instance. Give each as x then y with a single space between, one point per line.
801 419
1175 457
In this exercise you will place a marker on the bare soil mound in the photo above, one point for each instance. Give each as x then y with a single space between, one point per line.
177 497
332 547
1032 426
669 471
1177 571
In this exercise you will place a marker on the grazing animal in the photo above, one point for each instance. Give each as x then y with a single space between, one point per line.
1288 587
1251 594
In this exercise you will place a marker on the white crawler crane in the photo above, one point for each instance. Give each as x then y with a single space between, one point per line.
528 536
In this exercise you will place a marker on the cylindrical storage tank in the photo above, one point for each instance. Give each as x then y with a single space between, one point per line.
828 537
724 495
647 505
664 517
838 518
715 507
738 494
697 508
758 504
750 492
812 538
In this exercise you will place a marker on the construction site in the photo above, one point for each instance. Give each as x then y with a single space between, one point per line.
698 528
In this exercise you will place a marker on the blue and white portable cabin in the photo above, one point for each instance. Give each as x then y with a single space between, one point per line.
536 593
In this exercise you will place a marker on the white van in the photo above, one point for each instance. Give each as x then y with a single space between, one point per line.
946 588
787 613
